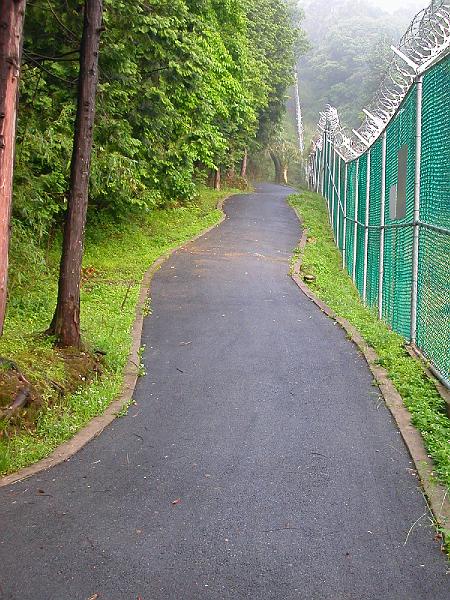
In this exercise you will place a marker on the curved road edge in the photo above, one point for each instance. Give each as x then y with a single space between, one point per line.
435 494
95 426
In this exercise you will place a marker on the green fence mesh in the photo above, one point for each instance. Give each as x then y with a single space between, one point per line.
341 206
362 180
351 186
398 240
433 298
373 251
433 309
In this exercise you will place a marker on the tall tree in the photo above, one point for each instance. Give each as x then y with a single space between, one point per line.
12 14
66 321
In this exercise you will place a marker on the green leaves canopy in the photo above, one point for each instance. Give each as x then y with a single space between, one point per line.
185 87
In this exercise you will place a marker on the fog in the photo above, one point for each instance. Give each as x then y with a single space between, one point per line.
394 5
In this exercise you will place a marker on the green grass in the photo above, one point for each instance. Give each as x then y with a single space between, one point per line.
116 257
322 259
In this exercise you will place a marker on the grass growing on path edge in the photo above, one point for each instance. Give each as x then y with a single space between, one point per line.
115 260
322 259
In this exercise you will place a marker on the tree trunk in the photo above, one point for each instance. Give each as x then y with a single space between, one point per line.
278 167
244 164
12 14
217 179
285 174
66 320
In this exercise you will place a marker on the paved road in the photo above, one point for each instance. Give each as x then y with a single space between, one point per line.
261 418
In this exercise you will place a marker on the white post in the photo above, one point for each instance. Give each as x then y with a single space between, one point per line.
417 173
366 229
344 229
355 230
382 224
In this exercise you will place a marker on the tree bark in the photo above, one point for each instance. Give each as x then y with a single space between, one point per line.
66 320
12 15
217 179
244 164
278 167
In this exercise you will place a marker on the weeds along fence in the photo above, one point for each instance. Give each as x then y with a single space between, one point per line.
387 187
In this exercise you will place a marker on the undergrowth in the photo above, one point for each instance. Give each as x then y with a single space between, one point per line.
116 257
322 259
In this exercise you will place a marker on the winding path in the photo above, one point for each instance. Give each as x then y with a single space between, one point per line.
258 462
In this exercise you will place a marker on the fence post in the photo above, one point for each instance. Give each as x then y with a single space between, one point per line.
344 229
382 228
324 145
366 229
338 206
329 176
314 181
319 165
333 191
415 250
355 229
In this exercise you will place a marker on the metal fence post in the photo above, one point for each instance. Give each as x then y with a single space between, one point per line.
338 206
366 229
319 166
382 228
316 160
333 191
329 176
415 250
355 229
344 228
324 145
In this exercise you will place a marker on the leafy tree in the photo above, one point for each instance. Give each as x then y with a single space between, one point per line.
186 87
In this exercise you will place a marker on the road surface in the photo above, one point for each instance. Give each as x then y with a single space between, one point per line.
258 463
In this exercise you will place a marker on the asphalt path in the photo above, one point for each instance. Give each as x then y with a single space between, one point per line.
258 463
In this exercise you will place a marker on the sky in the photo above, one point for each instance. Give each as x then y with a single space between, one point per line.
393 5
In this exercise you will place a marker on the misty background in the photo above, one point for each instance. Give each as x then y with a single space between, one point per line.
349 53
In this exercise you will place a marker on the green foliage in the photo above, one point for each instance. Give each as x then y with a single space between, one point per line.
185 86
322 259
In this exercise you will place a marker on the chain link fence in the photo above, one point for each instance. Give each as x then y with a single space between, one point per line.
388 196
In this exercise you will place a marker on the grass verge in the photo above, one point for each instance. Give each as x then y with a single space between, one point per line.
116 258
322 259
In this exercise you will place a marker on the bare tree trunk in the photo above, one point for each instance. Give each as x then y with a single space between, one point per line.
12 15
217 179
278 167
66 320
244 164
